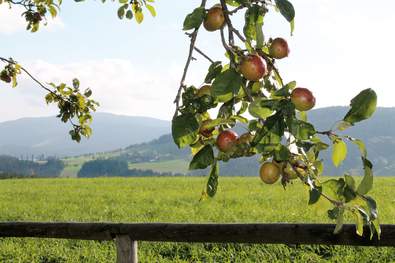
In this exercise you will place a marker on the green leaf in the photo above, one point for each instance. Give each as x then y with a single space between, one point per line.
334 188
121 12
367 181
184 130
343 125
362 106
350 182
203 159
212 183
213 71
151 9
339 152
194 19
253 25
361 146
358 222
286 9
257 111
226 85
282 153
314 195
300 129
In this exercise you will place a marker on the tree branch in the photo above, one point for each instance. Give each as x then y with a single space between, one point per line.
203 54
30 75
193 37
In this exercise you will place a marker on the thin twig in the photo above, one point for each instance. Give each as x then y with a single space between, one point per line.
247 92
303 179
234 11
203 54
238 34
28 73
269 61
193 37
228 22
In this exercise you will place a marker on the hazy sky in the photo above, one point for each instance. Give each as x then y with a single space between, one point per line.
338 48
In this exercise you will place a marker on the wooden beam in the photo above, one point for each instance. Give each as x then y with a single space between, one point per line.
126 249
216 233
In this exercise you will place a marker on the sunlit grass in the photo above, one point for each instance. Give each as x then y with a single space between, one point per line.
165 199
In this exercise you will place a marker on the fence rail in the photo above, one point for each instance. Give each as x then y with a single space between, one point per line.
127 235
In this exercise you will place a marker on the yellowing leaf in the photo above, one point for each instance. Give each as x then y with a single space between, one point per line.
139 16
339 152
151 9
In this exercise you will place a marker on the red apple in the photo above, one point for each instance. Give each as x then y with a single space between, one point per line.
279 48
214 19
205 130
226 140
5 77
303 99
253 67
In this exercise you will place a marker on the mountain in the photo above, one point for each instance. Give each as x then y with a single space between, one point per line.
151 144
378 133
49 136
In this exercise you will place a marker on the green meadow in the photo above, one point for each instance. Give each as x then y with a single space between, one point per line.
176 199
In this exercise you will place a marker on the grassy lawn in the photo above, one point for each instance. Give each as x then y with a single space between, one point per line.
164 199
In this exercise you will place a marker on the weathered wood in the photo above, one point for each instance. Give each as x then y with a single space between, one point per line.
218 233
126 249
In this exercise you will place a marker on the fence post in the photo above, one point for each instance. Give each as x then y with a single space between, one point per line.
126 249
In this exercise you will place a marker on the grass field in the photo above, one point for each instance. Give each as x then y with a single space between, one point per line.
173 200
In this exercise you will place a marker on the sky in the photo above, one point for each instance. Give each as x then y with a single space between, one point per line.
338 48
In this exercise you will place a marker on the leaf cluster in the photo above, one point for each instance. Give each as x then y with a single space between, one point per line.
275 129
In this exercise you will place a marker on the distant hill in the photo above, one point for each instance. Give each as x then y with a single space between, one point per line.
150 142
378 133
49 136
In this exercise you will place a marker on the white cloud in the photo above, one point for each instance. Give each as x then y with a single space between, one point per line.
11 21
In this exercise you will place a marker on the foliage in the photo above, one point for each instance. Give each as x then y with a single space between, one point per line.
254 94
74 106
173 200
115 167
11 166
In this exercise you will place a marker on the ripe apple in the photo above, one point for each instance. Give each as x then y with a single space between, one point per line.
269 173
226 140
205 90
5 77
303 99
214 19
279 48
205 130
253 67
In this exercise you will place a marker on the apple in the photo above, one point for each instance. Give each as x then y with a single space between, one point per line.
303 99
252 67
289 172
205 130
5 77
279 48
226 140
214 19
269 173
205 90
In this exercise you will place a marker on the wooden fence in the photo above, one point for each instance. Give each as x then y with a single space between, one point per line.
127 235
